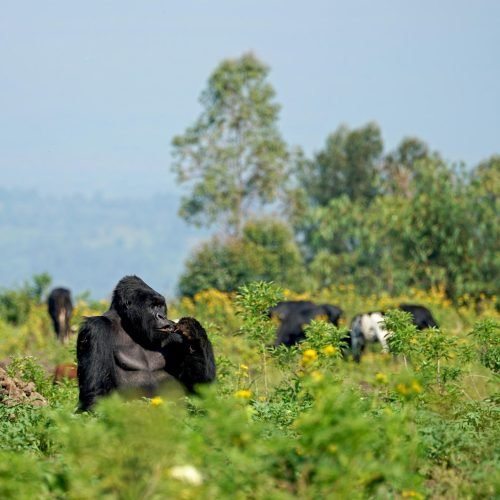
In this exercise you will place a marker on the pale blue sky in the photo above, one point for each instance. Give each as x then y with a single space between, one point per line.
92 92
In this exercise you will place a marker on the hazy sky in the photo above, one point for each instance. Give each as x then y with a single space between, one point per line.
91 93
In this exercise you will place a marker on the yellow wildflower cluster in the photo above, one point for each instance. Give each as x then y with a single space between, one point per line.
156 401
83 309
309 355
406 390
291 295
381 378
317 376
416 387
411 494
329 350
243 394
214 301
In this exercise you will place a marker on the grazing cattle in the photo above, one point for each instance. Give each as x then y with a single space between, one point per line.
65 371
421 316
286 307
60 310
295 315
369 327
134 346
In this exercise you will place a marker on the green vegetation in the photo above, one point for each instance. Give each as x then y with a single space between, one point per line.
278 423
351 226
382 221
233 157
265 251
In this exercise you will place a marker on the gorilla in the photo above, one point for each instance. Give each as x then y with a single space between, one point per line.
134 346
60 310
294 315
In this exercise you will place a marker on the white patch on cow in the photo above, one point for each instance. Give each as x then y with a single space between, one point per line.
366 328
373 329
62 321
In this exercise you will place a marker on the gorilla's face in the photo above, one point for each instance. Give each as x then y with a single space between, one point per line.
142 310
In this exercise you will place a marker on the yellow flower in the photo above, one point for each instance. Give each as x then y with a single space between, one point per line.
381 378
309 355
332 448
411 494
321 317
416 387
402 389
157 401
243 394
316 375
244 368
329 350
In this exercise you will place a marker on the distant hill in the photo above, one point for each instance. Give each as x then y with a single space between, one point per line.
88 244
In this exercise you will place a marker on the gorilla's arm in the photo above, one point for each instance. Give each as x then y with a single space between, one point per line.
96 373
193 361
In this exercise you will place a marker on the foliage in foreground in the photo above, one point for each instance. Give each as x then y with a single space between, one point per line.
279 423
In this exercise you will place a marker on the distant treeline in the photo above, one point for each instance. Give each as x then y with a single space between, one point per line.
351 214
89 243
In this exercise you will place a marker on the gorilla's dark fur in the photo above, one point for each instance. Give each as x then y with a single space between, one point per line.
134 346
60 310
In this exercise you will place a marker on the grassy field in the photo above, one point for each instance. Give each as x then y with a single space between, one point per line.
283 423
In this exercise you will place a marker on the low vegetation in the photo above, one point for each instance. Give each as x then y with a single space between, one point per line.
300 422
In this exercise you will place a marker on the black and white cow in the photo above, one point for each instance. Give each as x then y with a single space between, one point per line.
369 327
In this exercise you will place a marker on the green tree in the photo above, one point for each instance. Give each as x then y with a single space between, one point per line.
451 230
265 252
233 158
399 165
15 304
348 165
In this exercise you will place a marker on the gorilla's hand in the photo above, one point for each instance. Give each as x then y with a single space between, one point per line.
191 329
172 339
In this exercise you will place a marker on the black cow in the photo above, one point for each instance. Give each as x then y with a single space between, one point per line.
295 315
60 309
421 316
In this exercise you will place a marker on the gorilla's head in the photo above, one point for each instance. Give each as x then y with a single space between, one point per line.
142 310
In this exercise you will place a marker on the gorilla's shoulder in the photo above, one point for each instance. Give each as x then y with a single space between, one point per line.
96 324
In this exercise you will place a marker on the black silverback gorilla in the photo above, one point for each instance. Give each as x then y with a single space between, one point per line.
60 310
134 346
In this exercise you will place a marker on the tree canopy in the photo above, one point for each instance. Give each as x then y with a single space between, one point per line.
233 157
381 221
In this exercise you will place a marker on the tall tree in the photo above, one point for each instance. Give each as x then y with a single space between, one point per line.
348 165
399 165
233 158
